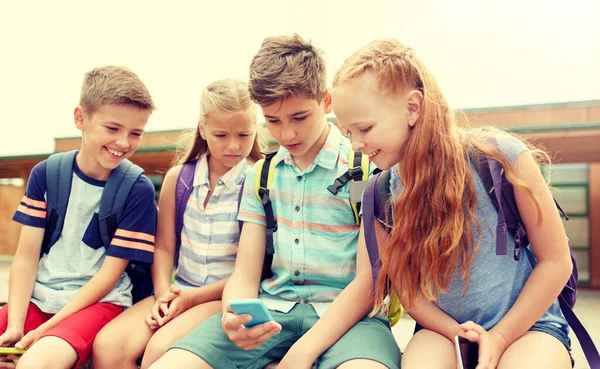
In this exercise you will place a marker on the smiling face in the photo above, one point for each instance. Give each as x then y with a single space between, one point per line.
298 123
109 135
378 124
229 139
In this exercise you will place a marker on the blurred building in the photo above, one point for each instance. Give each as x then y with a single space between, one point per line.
570 132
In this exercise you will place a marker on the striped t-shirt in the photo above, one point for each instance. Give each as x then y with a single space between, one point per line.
79 252
210 235
317 238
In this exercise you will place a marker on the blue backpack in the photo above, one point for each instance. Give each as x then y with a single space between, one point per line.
59 174
377 192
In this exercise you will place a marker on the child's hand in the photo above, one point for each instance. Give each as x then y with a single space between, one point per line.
9 361
10 337
161 307
31 337
178 305
491 344
247 338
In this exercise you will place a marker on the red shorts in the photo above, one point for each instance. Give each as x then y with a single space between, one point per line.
79 329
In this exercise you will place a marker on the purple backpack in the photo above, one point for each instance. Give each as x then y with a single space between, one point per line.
183 189
377 192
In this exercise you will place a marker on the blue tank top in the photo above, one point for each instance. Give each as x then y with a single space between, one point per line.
496 280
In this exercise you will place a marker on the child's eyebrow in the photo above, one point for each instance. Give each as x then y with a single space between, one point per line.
298 113
121 126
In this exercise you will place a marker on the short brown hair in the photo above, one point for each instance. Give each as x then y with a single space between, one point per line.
286 66
113 85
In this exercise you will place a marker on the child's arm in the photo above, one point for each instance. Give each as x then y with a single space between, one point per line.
424 312
23 272
549 244
349 307
96 288
243 283
164 252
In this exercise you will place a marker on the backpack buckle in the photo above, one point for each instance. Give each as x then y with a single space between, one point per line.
264 195
337 184
356 173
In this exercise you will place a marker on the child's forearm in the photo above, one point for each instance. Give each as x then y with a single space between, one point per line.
162 269
238 287
94 290
211 292
22 281
543 286
431 317
349 307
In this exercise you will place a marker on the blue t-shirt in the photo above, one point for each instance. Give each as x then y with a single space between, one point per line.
496 280
79 252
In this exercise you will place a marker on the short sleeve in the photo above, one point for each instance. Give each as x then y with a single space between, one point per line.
32 208
510 146
251 208
134 238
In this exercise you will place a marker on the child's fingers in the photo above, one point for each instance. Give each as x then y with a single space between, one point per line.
232 322
164 308
7 365
151 322
169 297
251 338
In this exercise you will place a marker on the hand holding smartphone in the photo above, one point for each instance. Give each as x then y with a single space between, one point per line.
254 307
467 353
11 351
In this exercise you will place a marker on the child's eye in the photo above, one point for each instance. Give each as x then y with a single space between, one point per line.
244 135
299 119
136 134
112 129
273 121
220 136
365 130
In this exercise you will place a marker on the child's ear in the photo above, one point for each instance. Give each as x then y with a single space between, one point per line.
78 117
201 130
327 101
414 101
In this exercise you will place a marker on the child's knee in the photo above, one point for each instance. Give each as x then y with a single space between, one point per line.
154 350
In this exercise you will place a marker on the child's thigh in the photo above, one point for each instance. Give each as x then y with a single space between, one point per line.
50 352
184 324
128 331
526 352
369 339
80 329
429 350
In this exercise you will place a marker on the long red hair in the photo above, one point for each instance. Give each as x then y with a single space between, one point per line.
436 229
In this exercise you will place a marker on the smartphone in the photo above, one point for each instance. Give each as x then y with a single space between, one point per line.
467 353
254 307
11 351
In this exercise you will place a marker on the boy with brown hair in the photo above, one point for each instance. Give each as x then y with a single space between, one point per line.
320 269
65 286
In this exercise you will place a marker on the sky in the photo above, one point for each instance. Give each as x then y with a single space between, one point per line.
483 53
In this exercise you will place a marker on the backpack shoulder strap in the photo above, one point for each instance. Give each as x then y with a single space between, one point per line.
371 205
358 163
114 196
59 175
183 190
264 176
373 198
